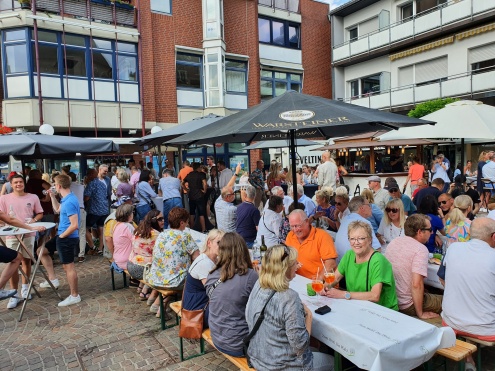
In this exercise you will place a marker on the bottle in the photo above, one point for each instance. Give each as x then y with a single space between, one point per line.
256 254
12 212
263 247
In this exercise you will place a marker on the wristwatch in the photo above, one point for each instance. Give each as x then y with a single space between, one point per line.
347 295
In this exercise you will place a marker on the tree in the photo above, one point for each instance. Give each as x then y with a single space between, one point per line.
431 106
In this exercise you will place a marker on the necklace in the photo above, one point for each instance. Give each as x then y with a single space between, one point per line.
391 231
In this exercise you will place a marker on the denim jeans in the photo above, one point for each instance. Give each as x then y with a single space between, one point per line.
168 204
141 212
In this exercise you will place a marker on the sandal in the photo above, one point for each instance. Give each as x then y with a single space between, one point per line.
150 301
144 296
139 289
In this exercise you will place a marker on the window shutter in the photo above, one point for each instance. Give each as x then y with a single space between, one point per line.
482 53
431 70
406 76
368 26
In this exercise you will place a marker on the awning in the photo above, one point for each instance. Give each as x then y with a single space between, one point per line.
475 31
422 48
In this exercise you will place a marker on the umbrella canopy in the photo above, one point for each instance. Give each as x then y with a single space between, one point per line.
463 119
36 145
309 116
280 144
165 135
381 143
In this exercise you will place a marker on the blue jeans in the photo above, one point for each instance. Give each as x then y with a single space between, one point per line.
250 244
141 212
168 204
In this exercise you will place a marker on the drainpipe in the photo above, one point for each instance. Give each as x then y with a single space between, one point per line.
37 54
117 63
62 11
88 10
140 61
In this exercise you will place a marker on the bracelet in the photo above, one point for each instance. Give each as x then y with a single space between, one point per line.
236 174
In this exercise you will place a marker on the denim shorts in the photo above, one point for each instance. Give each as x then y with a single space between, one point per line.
67 248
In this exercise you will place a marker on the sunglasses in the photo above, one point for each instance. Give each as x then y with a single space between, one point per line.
286 253
388 210
339 203
442 202
427 229
393 190
160 219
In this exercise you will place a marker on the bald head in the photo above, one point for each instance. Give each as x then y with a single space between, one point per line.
483 229
325 156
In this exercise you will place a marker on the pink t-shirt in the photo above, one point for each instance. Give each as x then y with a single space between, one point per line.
407 256
25 207
134 179
122 243
416 172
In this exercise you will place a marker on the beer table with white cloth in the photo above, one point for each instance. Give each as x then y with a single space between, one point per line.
432 279
371 336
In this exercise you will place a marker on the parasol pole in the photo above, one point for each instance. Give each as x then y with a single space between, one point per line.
292 133
462 156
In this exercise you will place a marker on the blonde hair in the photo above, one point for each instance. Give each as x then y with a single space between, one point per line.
358 224
328 189
323 194
214 233
395 203
122 176
482 156
461 205
368 194
273 273
46 177
341 191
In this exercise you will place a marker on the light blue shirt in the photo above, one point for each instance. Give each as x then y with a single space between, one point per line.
309 205
342 243
441 173
144 193
170 187
376 217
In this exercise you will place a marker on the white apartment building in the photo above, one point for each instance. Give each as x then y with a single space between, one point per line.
393 54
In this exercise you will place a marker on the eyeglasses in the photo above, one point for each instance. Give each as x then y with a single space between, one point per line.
427 229
297 226
339 203
160 219
356 240
388 210
442 202
393 190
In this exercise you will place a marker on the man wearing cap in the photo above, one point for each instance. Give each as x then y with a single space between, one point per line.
169 189
393 189
380 195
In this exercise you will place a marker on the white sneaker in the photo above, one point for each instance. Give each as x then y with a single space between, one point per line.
13 302
70 300
46 285
24 294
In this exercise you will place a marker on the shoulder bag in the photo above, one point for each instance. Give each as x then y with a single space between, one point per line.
253 332
148 201
191 322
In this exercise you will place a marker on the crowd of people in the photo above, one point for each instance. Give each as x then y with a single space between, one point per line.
378 245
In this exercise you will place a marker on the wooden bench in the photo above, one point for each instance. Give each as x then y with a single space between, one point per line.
240 362
124 277
479 344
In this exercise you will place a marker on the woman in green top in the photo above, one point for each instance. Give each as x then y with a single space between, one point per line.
368 274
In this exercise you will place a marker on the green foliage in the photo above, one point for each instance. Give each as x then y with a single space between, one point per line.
431 106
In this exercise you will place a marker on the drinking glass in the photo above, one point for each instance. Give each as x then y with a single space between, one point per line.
330 276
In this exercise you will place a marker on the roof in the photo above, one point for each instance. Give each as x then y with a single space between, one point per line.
352 7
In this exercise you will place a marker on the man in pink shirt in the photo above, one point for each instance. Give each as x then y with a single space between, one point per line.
409 258
25 207
134 177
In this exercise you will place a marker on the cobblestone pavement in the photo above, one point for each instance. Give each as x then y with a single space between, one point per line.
111 330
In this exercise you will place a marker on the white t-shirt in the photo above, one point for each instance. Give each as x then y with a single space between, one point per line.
201 267
389 232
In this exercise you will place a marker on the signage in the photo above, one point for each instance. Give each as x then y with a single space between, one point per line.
297 115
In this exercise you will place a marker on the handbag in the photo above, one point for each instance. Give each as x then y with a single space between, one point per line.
191 322
257 325
150 202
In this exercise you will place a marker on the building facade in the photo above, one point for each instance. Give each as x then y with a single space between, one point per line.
112 69
393 54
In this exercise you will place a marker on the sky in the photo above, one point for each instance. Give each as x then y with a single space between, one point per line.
335 3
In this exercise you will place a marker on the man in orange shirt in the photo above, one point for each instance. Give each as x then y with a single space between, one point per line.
314 246
186 169
416 172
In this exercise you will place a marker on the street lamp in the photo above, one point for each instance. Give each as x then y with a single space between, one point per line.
46 129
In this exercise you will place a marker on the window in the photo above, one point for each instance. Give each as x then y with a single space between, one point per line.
482 58
161 6
280 33
406 12
188 71
370 84
48 58
431 71
76 62
354 87
425 5
236 76
275 83
353 34
16 58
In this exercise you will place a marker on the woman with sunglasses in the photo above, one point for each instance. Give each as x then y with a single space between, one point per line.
287 322
392 224
143 243
368 274
429 206
195 296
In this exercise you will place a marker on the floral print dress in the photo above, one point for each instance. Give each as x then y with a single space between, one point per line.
171 258
459 232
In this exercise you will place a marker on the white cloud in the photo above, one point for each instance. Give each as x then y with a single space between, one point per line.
334 3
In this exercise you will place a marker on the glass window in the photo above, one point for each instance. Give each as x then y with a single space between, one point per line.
266 73
48 59
280 75
74 40
235 64
127 48
294 37
213 75
295 87
354 85
188 76
102 65
266 90
236 81
370 84
127 68
16 58
76 62
278 33
102 44
189 58
278 83
482 67
406 11
14 35
264 30
46 36
353 34
161 6
237 147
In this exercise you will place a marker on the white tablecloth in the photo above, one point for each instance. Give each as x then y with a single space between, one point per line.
371 336
432 278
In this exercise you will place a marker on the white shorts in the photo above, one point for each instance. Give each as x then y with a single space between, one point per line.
13 243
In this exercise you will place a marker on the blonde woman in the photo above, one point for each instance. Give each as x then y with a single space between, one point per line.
287 320
376 213
124 188
195 296
325 209
275 176
290 178
458 224
392 224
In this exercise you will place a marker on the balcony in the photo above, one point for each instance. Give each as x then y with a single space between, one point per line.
102 11
288 5
466 84
430 21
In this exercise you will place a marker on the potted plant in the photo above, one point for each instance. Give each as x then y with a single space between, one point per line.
25 4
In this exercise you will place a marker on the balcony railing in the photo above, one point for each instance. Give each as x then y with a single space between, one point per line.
465 84
289 5
427 21
104 11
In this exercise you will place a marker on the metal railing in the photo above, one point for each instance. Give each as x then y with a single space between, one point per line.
289 5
